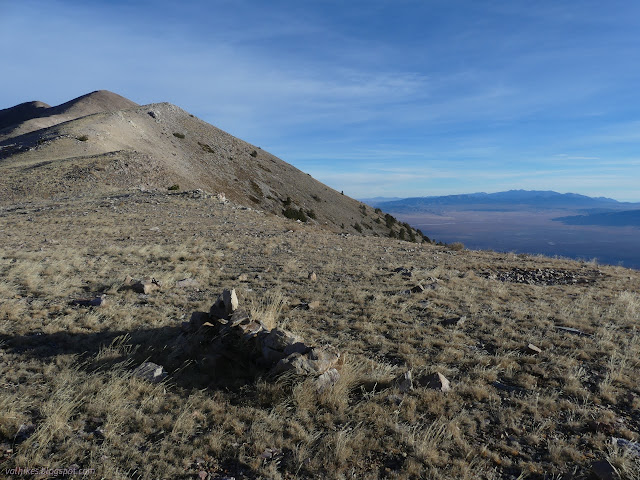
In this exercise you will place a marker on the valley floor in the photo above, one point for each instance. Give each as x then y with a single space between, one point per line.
68 396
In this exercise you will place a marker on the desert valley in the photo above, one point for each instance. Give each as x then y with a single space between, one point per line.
178 303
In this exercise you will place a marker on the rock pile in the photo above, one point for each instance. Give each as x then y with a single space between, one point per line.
542 276
233 333
146 285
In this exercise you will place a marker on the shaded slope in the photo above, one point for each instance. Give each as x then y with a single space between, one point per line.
21 113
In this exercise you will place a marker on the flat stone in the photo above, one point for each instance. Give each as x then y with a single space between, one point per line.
633 447
230 300
572 330
187 283
239 317
603 470
146 286
278 339
533 349
436 381
94 302
450 322
404 382
315 362
327 380
151 372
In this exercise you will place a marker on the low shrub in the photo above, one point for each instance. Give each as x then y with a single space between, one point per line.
294 214
175 186
178 135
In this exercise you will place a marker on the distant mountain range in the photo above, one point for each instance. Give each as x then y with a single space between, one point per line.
512 200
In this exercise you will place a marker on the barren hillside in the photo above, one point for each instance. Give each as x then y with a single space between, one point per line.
150 333
158 146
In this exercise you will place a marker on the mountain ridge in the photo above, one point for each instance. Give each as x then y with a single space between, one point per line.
31 116
507 200
160 145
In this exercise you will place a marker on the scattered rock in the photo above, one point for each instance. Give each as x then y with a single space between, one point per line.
151 372
327 380
314 305
232 334
436 381
313 276
94 302
531 348
226 304
417 289
405 272
243 277
543 276
270 453
145 286
450 322
24 432
574 331
309 306
404 382
633 447
230 300
315 361
187 282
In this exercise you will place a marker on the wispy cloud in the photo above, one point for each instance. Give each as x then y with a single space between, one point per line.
493 95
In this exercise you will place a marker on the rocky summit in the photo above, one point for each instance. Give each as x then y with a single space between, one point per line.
178 303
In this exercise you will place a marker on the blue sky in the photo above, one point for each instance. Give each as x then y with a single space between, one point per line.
393 98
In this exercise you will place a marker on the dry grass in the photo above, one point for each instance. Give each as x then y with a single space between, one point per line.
67 393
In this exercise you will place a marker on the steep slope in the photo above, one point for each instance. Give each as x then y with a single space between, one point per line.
32 116
160 145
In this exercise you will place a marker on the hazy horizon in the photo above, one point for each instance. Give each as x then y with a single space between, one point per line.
398 197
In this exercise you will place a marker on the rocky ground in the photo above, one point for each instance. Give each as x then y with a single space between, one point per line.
117 355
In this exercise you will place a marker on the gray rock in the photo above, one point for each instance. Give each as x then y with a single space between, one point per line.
633 447
146 286
151 372
327 380
98 301
187 283
603 470
404 382
315 362
531 348
450 322
313 276
436 381
572 330
230 300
